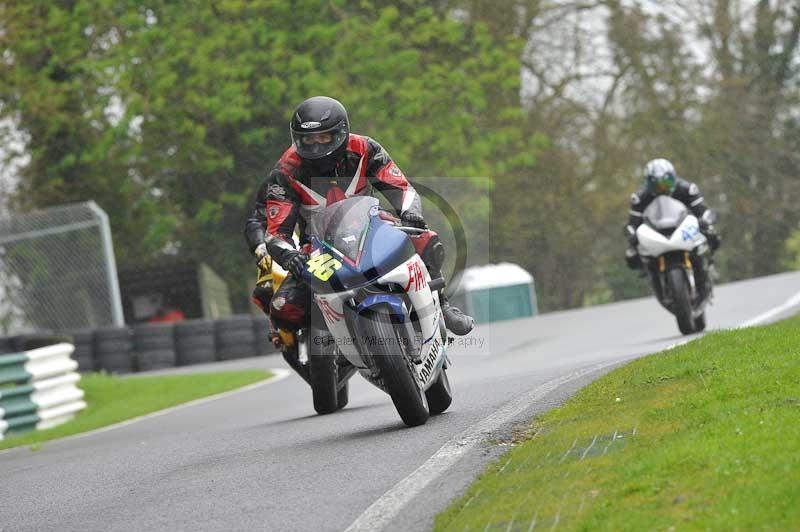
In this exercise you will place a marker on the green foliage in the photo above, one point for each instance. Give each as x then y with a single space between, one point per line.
702 437
614 84
791 260
725 122
170 115
58 85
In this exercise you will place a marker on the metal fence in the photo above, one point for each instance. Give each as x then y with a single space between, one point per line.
57 270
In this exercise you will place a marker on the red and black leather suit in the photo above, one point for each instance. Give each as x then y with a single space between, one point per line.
292 194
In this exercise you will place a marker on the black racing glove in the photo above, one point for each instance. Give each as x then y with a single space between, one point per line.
713 239
410 219
296 265
632 259
710 232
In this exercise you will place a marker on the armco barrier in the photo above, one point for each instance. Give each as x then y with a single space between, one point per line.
38 388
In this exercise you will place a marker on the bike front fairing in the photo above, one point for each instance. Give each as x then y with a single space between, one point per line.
669 226
363 263
686 237
357 249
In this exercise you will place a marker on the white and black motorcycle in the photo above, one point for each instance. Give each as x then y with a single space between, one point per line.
676 254
377 313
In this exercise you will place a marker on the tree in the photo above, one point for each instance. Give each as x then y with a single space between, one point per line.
58 87
710 85
169 116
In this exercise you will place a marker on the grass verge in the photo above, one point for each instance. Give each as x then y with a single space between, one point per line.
705 436
112 399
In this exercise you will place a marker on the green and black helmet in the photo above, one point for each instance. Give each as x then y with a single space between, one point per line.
659 177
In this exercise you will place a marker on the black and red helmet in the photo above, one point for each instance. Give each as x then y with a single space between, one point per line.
320 128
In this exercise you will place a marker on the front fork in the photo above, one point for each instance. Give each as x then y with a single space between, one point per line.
688 268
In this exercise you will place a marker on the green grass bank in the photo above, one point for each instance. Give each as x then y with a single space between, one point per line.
112 399
705 436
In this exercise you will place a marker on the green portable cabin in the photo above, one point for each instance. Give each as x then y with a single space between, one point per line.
495 292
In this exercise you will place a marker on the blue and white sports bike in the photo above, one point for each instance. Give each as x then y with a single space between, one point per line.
380 313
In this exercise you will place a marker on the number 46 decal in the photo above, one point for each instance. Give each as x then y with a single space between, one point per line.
323 266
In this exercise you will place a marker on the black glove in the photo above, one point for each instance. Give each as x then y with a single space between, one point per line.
713 239
632 259
297 265
410 219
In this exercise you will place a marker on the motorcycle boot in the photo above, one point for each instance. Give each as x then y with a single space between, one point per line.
455 320
703 265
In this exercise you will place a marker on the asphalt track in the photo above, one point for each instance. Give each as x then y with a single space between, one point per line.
262 460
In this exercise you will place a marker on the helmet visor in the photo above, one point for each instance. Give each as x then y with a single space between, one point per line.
319 144
663 185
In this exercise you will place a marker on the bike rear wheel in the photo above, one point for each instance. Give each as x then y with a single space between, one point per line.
322 373
343 395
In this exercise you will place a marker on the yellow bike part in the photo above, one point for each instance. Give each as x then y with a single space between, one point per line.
287 337
269 274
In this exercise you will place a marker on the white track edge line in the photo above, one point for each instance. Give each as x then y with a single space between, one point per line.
761 319
387 506
790 303
278 374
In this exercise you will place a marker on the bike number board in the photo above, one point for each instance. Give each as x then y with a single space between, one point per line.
323 266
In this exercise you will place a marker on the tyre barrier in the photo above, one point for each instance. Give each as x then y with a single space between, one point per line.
154 346
235 337
194 342
38 389
113 350
6 345
83 341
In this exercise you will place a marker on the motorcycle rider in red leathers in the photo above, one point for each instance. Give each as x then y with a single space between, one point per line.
327 163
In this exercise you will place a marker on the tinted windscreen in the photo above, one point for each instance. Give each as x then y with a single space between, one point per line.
346 224
665 213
